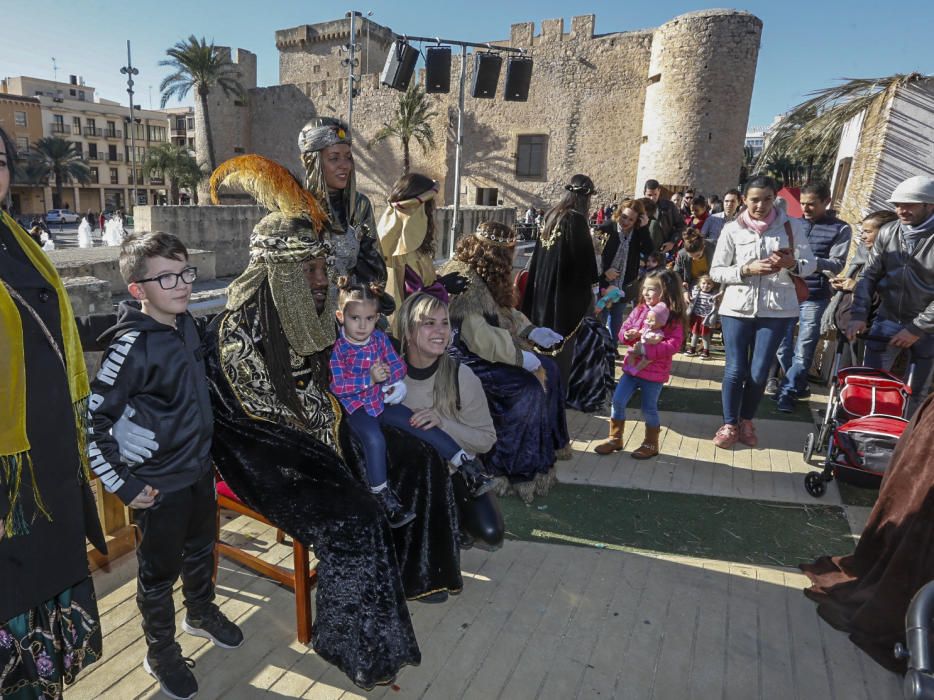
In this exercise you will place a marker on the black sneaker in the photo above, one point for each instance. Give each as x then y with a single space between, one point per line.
772 387
478 483
395 512
173 671
214 625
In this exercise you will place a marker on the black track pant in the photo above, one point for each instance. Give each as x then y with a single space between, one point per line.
178 535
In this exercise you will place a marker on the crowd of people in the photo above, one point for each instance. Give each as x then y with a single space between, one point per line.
373 405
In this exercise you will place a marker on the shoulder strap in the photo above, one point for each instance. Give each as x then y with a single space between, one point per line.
791 236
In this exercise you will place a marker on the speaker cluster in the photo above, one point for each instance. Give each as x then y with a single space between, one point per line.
400 64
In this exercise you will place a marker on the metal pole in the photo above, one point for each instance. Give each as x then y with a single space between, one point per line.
129 71
458 159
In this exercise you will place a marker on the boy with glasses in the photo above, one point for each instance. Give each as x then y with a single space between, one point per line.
154 367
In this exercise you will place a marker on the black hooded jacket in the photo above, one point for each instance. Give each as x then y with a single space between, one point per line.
159 371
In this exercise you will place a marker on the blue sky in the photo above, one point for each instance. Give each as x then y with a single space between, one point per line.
805 45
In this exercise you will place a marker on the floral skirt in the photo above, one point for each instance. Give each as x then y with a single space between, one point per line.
43 649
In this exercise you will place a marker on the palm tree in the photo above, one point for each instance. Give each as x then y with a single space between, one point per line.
170 161
810 133
54 157
202 67
412 120
190 175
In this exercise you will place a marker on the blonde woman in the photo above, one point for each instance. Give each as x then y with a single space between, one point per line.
444 393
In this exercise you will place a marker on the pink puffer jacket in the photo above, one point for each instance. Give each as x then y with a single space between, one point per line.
659 369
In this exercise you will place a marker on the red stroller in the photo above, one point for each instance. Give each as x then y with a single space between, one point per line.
865 417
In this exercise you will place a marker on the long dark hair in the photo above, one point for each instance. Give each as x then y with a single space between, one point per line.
579 191
412 185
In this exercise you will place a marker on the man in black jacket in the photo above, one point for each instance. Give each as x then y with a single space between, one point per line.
901 270
670 219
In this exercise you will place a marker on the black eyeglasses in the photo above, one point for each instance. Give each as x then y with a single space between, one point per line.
170 279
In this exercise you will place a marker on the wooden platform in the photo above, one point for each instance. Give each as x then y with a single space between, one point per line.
544 619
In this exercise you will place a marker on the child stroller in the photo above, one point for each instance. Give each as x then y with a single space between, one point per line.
866 415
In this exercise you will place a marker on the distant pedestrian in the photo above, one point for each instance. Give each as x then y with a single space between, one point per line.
669 218
732 201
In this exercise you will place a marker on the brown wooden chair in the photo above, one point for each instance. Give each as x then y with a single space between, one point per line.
300 580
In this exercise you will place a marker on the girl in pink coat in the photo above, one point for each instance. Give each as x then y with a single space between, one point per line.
649 373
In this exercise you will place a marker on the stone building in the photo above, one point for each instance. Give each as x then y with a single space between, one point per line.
670 103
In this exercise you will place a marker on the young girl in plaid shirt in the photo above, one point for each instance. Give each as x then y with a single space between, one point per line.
367 377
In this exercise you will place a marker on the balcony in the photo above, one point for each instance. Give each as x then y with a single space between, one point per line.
91 131
114 157
156 181
58 128
95 157
113 134
76 130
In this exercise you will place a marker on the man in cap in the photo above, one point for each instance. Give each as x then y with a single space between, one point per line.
901 271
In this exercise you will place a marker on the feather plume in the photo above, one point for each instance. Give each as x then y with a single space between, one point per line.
271 185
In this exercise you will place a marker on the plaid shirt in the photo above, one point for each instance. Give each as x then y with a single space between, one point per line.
350 372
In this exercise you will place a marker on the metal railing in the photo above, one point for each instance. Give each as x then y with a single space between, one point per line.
59 128
113 157
113 134
92 131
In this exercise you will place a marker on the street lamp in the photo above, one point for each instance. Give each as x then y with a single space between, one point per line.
129 71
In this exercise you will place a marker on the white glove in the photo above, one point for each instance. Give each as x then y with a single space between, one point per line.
395 393
545 337
135 442
530 361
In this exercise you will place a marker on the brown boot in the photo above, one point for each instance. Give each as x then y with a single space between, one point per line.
614 443
649 446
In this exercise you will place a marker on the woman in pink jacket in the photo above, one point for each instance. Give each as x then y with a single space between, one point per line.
661 286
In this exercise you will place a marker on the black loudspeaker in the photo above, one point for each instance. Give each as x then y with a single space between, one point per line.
485 74
400 63
518 77
438 69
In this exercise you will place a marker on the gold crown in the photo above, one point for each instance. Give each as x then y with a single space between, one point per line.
497 233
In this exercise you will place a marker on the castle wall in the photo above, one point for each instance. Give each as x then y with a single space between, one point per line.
670 103
699 86
313 52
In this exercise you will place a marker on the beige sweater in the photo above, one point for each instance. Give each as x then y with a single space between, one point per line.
473 428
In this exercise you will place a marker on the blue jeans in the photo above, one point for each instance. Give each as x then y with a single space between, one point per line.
367 429
797 362
649 392
882 356
750 345
613 318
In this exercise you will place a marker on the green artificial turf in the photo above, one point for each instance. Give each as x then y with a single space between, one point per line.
711 527
709 402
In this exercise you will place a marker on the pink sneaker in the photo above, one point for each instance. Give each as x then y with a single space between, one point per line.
726 437
747 433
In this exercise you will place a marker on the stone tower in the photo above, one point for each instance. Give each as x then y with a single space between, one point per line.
698 91
229 116
311 54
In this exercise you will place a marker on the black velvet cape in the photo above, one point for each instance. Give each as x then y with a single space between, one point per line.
365 570
559 291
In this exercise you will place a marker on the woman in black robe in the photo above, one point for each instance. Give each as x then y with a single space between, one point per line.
563 271
49 623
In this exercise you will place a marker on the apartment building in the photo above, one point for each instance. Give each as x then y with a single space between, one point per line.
21 119
110 144
182 127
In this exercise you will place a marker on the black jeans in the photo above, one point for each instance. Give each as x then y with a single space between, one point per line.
177 538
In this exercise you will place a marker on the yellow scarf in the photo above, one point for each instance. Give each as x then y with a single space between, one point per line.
14 443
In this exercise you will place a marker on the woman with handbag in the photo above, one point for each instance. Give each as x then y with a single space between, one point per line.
759 261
